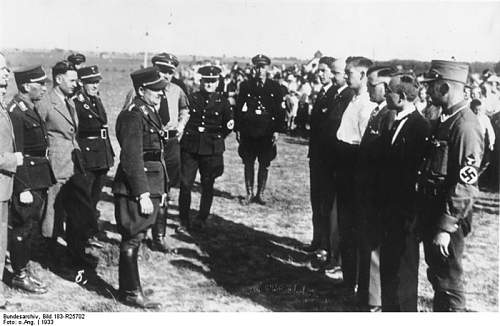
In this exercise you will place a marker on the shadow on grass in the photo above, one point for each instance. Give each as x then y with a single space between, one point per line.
265 268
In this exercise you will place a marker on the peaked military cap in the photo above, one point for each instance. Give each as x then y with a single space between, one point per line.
89 74
261 59
76 58
34 74
210 72
149 78
447 70
165 61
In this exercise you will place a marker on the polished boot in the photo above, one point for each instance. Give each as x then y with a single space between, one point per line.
23 281
261 185
129 282
184 207
20 254
249 179
158 231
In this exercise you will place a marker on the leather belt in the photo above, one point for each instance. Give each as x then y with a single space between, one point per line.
100 133
152 156
38 153
169 134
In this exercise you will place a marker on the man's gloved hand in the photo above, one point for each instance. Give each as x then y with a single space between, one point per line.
145 203
442 241
19 158
275 137
26 197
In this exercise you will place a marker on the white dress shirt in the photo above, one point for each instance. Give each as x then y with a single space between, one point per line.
355 119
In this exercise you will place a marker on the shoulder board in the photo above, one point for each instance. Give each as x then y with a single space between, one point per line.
22 106
144 110
131 107
80 97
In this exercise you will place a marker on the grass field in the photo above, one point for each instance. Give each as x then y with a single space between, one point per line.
249 258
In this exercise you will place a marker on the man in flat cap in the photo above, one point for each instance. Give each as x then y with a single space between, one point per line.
174 114
449 183
69 197
93 138
258 119
202 145
141 179
350 132
10 159
32 179
325 120
367 190
403 150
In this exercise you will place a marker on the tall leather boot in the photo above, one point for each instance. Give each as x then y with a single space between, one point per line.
261 184
249 181
129 281
207 195
159 231
184 207
19 257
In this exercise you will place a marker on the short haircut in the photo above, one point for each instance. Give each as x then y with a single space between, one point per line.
329 61
61 68
405 84
359 62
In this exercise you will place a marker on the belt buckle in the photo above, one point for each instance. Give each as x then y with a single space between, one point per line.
201 129
104 133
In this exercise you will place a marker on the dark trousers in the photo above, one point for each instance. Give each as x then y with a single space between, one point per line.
399 259
173 161
323 189
96 183
347 217
22 220
445 273
211 167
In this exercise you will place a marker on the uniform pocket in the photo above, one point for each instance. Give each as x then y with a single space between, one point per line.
156 177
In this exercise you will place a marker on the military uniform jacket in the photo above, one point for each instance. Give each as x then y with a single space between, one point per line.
142 167
326 116
93 133
32 140
259 111
61 124
210 121
451 167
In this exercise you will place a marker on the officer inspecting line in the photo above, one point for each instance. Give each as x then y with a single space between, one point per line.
383 177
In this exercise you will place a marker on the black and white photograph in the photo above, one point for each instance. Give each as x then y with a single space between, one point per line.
247 156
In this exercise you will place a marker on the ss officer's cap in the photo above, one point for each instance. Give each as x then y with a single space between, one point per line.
210 72
447 70
30 75
89 75
261 60
76 58
149 78
165 61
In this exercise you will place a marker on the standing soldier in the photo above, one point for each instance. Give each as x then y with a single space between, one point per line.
202 146
259 117
449 183
32 179
140 181
93 137
9 161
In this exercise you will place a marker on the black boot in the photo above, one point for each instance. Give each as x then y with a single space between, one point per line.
158 231
261 185
249 179
184 207
130 287
20 253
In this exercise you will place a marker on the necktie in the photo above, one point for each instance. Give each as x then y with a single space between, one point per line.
163 111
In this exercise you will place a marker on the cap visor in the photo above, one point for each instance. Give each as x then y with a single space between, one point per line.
91 80
160 85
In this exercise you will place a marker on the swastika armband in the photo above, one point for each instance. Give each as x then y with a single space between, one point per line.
468 174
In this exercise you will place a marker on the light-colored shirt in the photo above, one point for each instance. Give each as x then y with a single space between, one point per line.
485 124
177 106
355 119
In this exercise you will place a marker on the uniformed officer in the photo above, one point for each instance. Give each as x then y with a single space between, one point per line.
77 59
449 183
140 181
259 117
202 145
32 179
93 136
174 113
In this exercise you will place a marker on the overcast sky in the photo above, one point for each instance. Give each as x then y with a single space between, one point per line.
470 31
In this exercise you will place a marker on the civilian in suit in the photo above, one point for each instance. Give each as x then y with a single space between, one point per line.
369 165
70 196
10 159
403 152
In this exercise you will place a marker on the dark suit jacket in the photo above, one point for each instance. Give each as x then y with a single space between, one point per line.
326 116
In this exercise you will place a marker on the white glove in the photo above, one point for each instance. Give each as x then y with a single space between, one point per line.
145 203
26 197
19 158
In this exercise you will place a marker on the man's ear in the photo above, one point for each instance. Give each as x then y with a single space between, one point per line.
444 88
58 79
140 91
